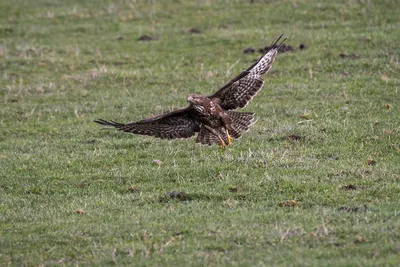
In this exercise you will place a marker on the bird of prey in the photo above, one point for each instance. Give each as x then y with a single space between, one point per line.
211 116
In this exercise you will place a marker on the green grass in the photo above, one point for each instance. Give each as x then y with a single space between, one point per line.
72 194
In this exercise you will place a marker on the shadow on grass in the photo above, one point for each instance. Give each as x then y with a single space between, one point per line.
183 196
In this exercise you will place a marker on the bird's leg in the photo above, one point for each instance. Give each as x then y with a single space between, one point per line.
229 137
222 144
227 122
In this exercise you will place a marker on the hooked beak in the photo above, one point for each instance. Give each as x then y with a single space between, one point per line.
190 99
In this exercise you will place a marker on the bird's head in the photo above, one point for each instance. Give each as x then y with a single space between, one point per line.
195 99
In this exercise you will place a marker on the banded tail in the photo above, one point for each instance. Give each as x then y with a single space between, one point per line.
241 122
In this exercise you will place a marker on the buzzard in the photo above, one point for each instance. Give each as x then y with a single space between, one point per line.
211 116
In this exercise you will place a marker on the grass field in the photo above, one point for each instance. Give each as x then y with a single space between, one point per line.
73 194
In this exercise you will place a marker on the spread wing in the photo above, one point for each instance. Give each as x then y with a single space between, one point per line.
239 91
172 125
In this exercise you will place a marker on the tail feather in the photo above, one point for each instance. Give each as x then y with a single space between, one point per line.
241 122
206 137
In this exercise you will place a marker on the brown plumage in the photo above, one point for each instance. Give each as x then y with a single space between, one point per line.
212 116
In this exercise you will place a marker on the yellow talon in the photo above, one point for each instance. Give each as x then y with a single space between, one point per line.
223 145
229 138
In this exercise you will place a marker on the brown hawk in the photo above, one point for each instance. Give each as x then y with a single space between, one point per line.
212 116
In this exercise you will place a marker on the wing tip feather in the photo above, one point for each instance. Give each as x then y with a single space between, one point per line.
108 123
275 44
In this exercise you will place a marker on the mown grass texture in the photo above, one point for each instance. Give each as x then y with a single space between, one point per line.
73 194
